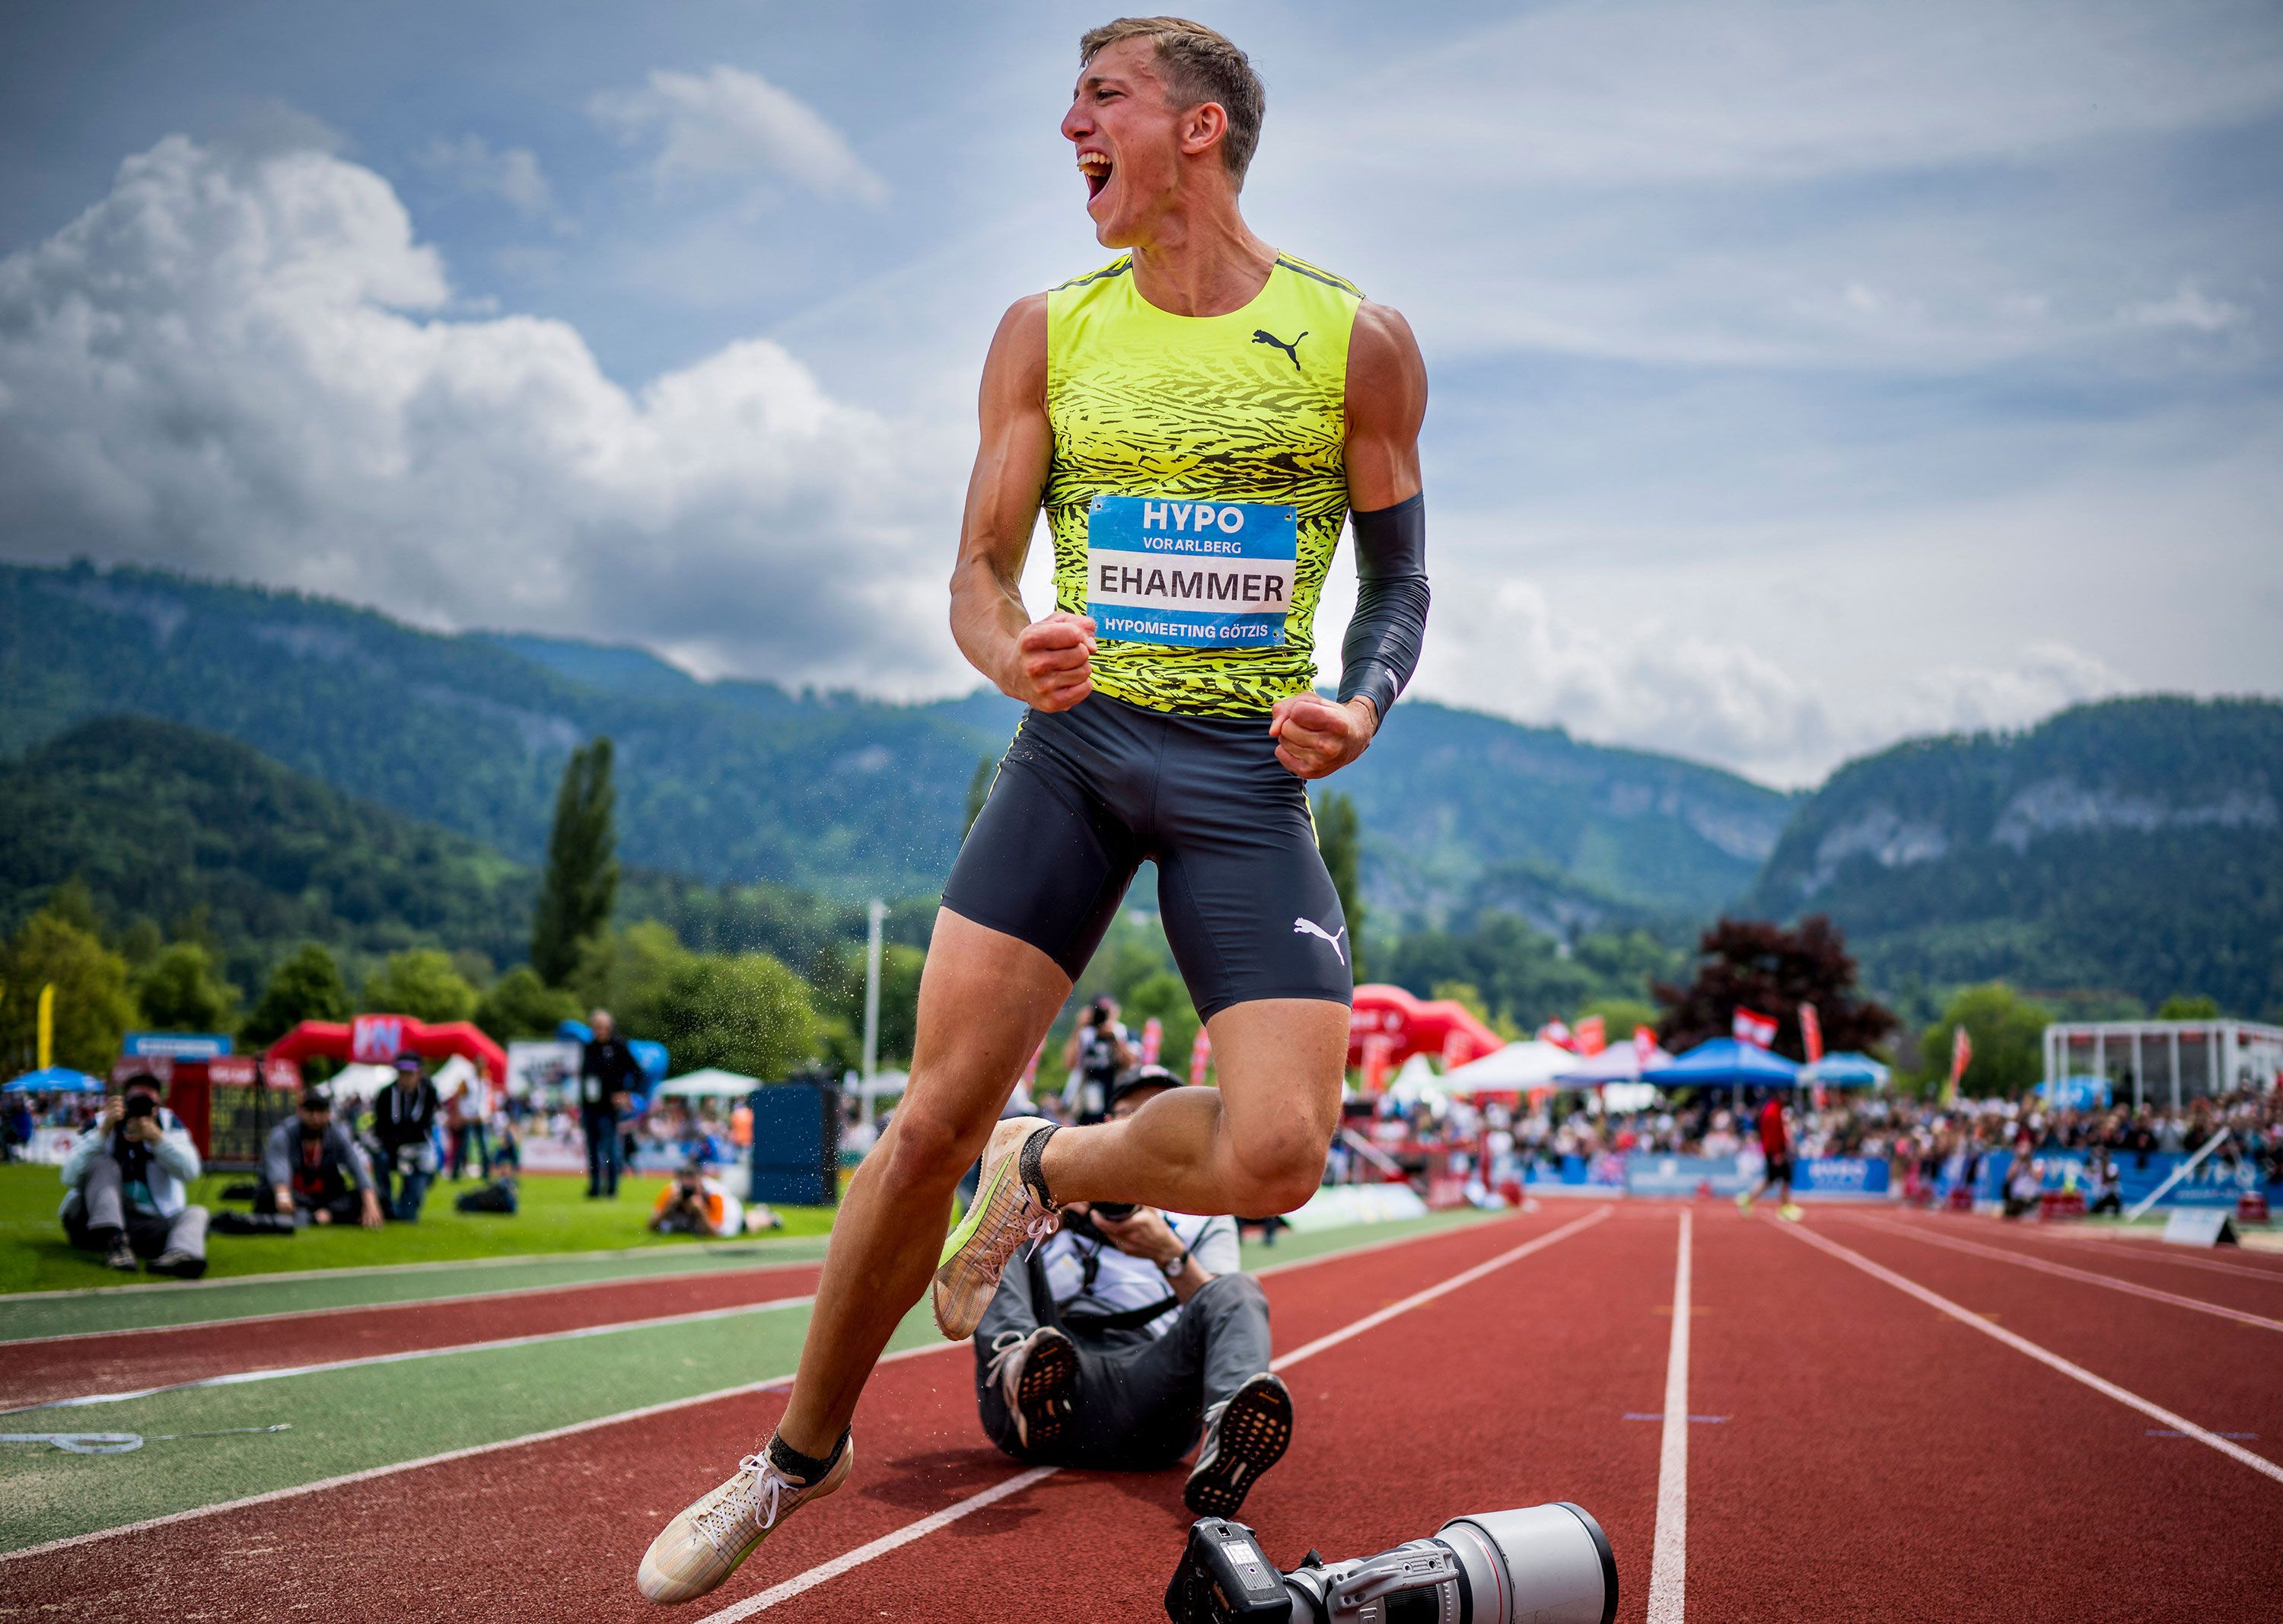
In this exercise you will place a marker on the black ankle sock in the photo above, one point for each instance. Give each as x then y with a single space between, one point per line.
807 1468
1032 1163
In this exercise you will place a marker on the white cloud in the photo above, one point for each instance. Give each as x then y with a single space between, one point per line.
729 123
2188 306
512 173
235 366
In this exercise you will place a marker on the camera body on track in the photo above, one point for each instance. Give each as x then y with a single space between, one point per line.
1548 1564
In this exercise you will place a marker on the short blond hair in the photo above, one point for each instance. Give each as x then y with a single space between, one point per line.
1198 65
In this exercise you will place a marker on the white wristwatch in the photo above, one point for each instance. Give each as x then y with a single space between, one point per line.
1173 1270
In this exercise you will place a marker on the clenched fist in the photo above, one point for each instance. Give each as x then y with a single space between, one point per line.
1316 737
1053 667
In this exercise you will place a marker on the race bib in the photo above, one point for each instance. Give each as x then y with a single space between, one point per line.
1197 574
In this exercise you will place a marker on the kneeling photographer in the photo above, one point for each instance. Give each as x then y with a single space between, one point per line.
127 1176
313 1171
1129 1332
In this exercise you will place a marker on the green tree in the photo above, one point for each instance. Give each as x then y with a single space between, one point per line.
180 992
627 972
1621 1017
979 790
519 1004
93 1006
582 881
2008 1031
2189 1006
307 987
1339 837
1163 996
744 1013
421 982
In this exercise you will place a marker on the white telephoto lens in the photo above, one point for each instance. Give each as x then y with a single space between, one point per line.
1541 1564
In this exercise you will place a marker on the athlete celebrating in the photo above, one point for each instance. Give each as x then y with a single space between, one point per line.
1197 418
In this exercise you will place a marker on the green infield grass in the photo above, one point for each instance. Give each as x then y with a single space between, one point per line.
556 1218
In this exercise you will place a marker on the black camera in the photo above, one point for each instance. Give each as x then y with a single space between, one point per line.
1546 1564
141 1106
1117 1212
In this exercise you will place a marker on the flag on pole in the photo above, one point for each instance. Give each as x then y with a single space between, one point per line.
1750 1026
1961 1055
1200 1056
1153 1040
47 1042
1557 1033
1644 1043
1591 1034
1810 1032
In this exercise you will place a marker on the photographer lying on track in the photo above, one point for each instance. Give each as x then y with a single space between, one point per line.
126 1178
314 1169
1128 1330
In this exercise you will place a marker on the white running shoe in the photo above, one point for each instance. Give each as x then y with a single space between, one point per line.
1004 1215
704 1543
1035 1375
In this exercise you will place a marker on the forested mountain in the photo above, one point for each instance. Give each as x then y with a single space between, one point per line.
201 836
2134 845
847 797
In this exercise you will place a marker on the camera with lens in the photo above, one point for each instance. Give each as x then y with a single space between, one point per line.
1546 1564
141 1106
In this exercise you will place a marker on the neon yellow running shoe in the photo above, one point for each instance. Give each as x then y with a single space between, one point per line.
1744 1202
1793 1211
709 1538
1003 1216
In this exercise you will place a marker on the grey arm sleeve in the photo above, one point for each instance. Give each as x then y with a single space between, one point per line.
1381 648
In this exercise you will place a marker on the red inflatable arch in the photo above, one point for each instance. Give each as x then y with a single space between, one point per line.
1389 1025
376 1040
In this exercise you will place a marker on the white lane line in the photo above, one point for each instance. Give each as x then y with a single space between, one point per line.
2148 1251
1668 1565
278 1373
526 1260
641 1413
2022 1345
2066 1272
930 1524
234 1321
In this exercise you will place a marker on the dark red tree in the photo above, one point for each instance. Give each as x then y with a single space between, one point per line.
1751 963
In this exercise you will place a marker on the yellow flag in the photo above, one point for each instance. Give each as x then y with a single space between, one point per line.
47 1025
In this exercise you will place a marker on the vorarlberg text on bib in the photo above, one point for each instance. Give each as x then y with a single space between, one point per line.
1199 575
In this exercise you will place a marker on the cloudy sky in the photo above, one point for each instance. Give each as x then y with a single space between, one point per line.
1805 375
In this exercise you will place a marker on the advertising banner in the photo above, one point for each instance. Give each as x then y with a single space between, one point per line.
2216 1182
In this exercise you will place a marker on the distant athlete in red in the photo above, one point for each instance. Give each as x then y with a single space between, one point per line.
1775 1145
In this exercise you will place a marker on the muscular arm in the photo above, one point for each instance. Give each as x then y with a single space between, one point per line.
1047 663
1386 404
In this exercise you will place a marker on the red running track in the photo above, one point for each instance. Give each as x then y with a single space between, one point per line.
39 1372
1871 1458
553 1530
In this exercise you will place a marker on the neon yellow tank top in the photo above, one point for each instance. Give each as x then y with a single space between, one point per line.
1231 418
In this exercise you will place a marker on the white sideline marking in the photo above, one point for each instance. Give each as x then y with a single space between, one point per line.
235 1320
276 1372
1668 1565
2145 1250
641 1413
2067 1272
2259 1463
950 1514
178 1288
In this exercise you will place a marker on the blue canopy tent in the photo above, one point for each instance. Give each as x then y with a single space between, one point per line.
55 1079
1846 1070
1726 1062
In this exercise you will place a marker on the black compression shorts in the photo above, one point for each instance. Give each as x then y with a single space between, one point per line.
1083 796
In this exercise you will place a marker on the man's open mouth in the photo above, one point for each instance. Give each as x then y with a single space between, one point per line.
1095 168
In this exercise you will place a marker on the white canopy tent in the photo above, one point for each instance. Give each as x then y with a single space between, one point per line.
711 1084
1616 1063
1530 1064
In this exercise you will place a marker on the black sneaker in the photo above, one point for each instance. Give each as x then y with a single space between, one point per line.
1036 1374
121 1256
1244 1437
182 1265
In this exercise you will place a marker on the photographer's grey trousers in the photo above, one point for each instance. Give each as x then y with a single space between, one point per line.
1140 1401
102 1206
